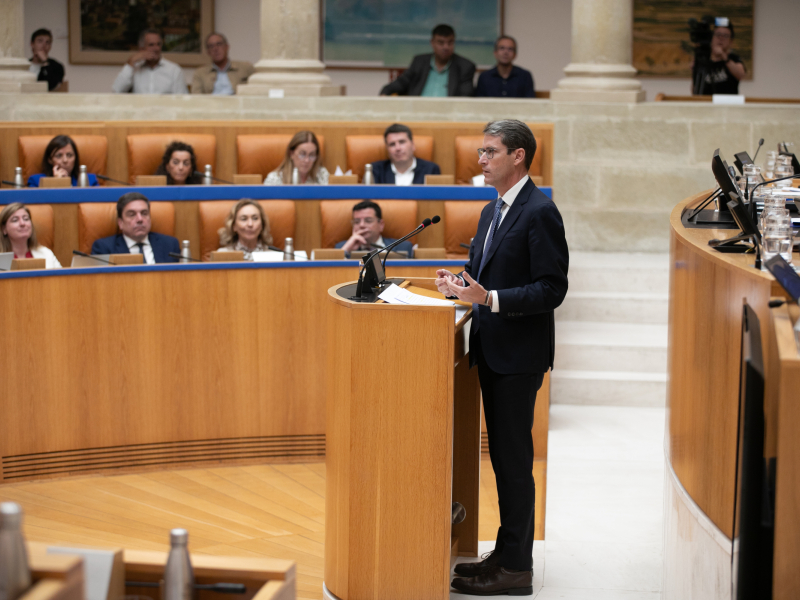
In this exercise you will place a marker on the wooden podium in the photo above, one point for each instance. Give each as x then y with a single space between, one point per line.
403 443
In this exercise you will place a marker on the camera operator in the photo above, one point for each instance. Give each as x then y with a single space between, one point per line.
716 70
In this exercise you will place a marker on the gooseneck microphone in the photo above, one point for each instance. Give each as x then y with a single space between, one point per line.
97 258
8 182
426 223
760 143
176 255
200 174
104 178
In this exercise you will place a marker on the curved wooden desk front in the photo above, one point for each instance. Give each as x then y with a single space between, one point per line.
403 442
149 366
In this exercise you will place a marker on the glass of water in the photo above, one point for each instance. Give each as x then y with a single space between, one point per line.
777 240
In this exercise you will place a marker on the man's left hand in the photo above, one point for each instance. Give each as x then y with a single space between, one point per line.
475 293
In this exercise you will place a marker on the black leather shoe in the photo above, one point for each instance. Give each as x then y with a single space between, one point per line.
459 513
471 569
496 581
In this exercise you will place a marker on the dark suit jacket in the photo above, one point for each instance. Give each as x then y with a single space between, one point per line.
382 171
527 266
412 81
162 246
405 246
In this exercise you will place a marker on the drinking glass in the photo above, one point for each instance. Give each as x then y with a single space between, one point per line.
777 240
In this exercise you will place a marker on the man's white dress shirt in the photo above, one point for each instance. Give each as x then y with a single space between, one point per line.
165 78
133 248
406 178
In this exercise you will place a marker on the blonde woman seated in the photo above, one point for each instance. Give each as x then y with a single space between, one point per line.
19 236
302 154
246 229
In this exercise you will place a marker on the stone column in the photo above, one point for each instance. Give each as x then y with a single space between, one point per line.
290 37
14 74
601 69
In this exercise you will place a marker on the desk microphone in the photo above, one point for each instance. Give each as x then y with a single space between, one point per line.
199 174
8 182
760 143
463 245
276 249
104 178
97 258
182 257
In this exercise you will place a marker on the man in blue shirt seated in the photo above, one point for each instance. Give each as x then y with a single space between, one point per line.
402 167
135 237
367 231
506 80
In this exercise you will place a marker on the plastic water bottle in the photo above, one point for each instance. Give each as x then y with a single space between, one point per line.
83 177
288 249
208 178
186 252
178 575
15 576
369 178
295 176
18 183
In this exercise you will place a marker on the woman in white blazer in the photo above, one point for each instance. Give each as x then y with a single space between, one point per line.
19 236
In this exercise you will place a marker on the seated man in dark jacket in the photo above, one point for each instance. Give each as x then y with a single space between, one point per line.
135 237
402 167
368 229
442 73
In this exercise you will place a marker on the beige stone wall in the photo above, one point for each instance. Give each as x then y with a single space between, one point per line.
618 171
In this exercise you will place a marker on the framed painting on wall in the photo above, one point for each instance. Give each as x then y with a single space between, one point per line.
106 33
661 42
385 34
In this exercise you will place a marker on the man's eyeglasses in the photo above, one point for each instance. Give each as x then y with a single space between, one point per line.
365 220
490 152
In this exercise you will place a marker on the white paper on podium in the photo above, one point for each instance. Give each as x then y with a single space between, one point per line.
397 295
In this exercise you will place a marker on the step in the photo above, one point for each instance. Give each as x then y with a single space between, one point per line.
629 260
591 346
618 279
612 307
608 388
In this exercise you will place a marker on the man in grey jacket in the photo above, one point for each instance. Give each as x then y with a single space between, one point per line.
442 73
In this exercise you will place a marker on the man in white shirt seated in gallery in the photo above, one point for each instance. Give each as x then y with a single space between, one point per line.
367 233
402 167
146 72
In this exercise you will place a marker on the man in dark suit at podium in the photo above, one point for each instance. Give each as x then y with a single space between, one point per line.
516 276
368 231
402 167
135 237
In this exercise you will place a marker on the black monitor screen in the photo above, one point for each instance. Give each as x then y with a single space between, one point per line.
785 274
722 173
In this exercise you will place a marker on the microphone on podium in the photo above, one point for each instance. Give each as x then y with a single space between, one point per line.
104 178
97 258
200 174
182 257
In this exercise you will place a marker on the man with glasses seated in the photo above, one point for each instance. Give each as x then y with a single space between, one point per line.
367 231
223 75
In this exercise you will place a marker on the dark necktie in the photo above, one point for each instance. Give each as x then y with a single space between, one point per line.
141 251
498 208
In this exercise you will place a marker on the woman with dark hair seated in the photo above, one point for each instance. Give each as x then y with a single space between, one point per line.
179 164
246 229
19 236
61 160
302 154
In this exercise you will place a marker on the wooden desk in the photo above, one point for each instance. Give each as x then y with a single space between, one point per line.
403 443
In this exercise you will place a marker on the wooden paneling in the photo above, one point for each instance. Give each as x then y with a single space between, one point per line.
782 385
707 289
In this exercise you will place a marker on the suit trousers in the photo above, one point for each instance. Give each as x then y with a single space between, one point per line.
508 402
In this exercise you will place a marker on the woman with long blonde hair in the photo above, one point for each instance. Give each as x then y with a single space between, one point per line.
246 229
19 236
302 154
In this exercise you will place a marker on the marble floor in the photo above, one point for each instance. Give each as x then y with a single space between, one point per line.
603 528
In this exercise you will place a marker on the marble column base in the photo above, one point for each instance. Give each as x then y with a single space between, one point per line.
15 78
289 89
596 95
697 554
296 77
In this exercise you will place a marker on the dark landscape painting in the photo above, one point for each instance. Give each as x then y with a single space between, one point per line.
661 44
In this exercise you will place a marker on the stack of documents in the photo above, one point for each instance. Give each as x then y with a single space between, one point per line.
397 295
